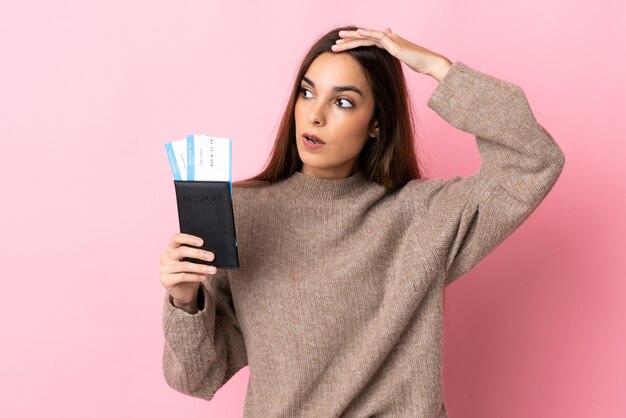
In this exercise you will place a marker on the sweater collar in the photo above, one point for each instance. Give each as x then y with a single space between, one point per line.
318 188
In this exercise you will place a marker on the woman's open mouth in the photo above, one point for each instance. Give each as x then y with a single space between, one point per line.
312 142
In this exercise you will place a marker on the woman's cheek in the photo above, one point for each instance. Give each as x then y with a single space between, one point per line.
357 133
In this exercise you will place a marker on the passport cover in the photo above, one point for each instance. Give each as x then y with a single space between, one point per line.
205 209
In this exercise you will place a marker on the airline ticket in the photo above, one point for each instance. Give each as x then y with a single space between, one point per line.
201 157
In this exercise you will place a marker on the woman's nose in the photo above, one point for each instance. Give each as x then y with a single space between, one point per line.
316 114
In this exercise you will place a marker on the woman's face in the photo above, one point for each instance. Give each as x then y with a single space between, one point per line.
336 104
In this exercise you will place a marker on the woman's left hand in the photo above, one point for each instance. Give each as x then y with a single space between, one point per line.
416 57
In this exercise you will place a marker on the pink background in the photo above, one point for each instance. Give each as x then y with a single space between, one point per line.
90 91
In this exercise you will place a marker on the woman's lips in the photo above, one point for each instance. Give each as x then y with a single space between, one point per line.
310 145
308 135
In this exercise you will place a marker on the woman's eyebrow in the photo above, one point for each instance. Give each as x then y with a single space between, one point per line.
337 88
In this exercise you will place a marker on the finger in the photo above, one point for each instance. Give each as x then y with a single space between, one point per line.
368 32
349 34
371 34
173 280
346 40
364 33
189 252
178 253
353 44
381 39
187 267
182 238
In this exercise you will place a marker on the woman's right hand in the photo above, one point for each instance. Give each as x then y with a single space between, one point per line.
182 278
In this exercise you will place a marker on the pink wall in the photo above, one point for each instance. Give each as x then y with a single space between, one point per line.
90 91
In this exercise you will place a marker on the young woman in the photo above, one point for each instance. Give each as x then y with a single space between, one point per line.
345 250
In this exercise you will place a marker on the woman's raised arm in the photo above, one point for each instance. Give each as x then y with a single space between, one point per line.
521 162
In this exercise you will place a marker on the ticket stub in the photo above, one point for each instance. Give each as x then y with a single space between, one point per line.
177 157
212 158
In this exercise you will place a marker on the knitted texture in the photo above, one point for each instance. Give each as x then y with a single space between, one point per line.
337 307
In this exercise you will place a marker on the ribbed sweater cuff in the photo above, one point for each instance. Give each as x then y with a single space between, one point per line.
493 109
194 330
466 97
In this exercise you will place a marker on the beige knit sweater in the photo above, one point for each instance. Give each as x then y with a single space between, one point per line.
337 306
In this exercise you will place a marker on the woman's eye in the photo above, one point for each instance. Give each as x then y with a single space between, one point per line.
343 102
349 103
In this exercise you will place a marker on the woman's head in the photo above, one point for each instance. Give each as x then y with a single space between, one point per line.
355 101
336 104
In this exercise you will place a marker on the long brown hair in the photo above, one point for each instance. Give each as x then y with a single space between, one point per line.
389 160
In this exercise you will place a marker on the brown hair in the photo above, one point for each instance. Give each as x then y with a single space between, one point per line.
389 160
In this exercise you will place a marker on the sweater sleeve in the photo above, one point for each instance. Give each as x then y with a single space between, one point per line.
521 162
203 351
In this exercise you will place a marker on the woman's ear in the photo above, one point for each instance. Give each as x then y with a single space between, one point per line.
374 130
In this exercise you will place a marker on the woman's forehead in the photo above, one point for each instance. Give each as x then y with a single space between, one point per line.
329 70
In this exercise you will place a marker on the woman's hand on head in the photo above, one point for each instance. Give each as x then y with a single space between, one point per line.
416 57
